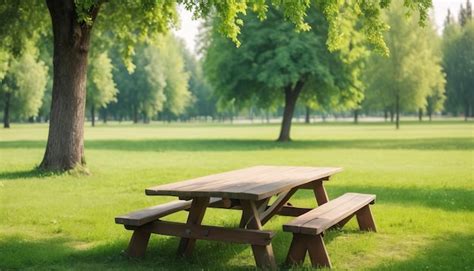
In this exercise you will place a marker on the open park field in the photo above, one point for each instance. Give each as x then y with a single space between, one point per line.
423 176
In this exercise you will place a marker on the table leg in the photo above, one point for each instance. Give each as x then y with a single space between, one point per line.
195 216
320 193
263 255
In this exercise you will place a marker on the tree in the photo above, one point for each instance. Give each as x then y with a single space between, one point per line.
158 83
404 80
203 98
170 60
101 88
276 63
73 20
458 63
23 86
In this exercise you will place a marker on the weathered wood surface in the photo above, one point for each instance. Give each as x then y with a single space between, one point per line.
327 215
143 216
254 183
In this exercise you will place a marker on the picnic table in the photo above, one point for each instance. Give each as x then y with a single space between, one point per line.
248 190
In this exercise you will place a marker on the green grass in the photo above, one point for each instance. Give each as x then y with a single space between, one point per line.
422 175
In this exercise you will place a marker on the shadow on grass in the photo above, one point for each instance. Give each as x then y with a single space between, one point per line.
62 253
23 174
449 252
16 252
449 199
161 145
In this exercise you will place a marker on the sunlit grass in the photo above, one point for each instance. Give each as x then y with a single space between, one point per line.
422 175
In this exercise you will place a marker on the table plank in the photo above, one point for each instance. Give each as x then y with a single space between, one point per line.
254 183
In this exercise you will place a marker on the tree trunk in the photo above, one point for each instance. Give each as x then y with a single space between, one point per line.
385 114
93 115
397 112
420 114
104 120
291 96
466 111
135 114
65 147
6 112
307 115
356 116
391 115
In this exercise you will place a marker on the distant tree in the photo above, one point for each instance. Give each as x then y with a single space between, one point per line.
159 81
274 63
203 98
170 58
404 80
458 63
22 86
101 89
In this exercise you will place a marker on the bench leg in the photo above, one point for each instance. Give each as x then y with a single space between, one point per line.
138 243
297 251
317 251
195 216
365 219
314 244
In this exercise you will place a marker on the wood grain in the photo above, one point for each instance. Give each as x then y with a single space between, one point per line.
254 183
329 214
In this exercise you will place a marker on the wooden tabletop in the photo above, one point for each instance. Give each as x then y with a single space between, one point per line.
252 183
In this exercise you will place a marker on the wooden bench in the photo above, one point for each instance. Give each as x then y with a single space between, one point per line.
308 228
138 219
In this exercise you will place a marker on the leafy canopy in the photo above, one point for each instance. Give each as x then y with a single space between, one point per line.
130 22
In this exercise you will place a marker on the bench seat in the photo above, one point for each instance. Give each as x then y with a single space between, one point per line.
147 215
308 228
328 215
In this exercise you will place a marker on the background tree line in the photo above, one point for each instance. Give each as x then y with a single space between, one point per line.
273 70
424 73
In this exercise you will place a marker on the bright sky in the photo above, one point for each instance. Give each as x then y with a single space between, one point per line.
189 28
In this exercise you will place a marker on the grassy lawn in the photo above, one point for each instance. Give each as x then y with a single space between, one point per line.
422 175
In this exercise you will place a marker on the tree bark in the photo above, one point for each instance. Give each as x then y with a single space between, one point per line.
135 114
105 115
307 117
397 112
291 96
6 112
93 115
466 111
65 147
